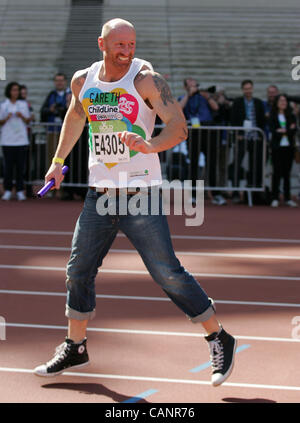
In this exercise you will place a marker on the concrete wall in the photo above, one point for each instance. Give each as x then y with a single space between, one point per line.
31 40
30 3
208 3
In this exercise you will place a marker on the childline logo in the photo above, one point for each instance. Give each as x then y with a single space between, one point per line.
2 69
2 329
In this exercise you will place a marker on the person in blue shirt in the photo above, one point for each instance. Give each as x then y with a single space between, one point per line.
196 103
199 108
53 110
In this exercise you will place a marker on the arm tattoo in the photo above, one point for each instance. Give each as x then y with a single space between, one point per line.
78 108
164 89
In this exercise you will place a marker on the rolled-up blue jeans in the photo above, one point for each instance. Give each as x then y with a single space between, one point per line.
149 234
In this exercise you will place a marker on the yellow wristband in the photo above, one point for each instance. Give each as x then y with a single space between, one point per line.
58 160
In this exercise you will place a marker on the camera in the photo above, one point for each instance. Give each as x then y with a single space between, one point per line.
212 89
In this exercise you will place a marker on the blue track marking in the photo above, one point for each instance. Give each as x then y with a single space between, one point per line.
140 396
208 363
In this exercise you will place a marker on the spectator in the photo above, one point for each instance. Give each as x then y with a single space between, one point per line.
53 110
222 118
178 162
14 118
31 155
283 129
199 108
272 93
248 112
23 96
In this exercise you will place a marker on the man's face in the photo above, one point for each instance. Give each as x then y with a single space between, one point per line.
248 90
60 83
272 93
191 86
191 83
282 103
118 47
23 93
14 92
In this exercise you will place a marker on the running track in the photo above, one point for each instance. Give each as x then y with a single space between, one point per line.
142 348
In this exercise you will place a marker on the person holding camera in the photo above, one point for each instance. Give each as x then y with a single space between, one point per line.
53 110
199 108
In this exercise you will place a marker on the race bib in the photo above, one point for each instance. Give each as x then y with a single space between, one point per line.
108 148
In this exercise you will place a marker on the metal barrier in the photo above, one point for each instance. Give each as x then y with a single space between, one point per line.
43 142
226 158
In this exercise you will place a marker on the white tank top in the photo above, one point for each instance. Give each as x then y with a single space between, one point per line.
113 107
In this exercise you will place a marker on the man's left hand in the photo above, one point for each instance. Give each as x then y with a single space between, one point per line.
135 142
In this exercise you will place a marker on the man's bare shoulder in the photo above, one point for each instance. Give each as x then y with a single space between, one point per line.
142 80
152 84
78 80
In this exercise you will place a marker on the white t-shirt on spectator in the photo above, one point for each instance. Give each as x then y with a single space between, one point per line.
14 131
284 142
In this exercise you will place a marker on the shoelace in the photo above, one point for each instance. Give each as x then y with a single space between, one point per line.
60 353
216 354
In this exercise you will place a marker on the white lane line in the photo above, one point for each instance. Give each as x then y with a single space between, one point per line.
139 298
34 247
182 253
148 332
145 272
199 237
34 232
159 379
63 294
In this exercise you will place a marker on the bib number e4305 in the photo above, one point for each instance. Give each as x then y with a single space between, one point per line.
109 149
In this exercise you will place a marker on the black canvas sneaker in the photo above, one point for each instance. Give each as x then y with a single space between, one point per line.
222 349
68 355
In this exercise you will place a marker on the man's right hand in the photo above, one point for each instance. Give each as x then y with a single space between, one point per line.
193 89
52 108
55 171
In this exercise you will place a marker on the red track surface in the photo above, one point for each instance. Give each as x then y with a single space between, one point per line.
123 361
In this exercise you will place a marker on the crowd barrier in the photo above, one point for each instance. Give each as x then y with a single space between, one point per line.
227 158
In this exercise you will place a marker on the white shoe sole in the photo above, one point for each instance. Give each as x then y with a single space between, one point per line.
41 373
222 378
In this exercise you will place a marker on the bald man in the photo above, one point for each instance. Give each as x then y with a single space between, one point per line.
121 96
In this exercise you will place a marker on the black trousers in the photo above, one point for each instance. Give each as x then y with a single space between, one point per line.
282 161
255 163
203 141
15 157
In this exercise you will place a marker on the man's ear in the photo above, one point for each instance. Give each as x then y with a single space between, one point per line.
101 43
